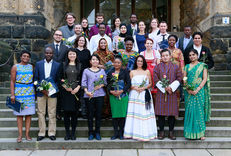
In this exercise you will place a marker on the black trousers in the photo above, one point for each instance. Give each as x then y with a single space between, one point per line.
94 108
70 119
171 122
118 126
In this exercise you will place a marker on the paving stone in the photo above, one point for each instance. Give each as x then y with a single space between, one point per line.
220 152
15 153
48 153
191 152
84 153
155 152
119 152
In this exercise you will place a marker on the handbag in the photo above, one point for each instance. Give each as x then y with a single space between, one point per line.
15 106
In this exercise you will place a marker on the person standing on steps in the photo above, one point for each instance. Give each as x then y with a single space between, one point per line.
68 30
118 96
22 90
197 99
70 72
166 98
47 68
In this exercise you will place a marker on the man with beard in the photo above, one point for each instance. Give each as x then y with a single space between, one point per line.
132 28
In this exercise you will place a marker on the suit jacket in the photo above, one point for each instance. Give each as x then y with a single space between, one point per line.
123 75
129 30
181 44
40 73
208 56
61 56
66 31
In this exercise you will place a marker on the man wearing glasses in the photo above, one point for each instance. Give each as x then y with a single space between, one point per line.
68 30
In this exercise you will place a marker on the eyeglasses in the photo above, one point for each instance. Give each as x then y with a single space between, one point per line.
58 35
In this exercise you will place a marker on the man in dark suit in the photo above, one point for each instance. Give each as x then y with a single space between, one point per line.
186 41
132 28
47 68
59 49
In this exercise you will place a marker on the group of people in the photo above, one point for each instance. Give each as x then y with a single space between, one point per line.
135 77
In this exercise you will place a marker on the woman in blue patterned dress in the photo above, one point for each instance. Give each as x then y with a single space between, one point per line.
22 90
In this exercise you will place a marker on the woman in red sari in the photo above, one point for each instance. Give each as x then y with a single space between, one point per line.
152 58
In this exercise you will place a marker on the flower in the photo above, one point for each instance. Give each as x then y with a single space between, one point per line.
203 52
101 76
185 78
36 83
62 80
83 33
119 39
164 76
116 75
63 39
113 74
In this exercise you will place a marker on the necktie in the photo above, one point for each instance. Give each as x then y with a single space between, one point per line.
56 49
163 37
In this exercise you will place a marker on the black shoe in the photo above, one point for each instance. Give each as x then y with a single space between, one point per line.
73 137
52 137
39 138
161 135
91 137
67 137
97 136
114 137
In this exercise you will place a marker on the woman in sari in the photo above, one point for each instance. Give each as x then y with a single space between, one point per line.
197 98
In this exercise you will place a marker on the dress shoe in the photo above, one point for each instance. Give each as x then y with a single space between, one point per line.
114 137
171 135
52 137
39 138
73 137
161 135
121 137
91 137
97 136
67 137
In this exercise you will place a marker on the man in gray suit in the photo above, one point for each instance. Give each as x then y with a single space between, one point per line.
68 30
58 47
186 41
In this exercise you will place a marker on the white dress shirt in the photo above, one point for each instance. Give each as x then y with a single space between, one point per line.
94 42
47 68
58 45
198 49
159 37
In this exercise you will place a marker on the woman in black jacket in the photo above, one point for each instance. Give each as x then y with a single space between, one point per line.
119 83
70 79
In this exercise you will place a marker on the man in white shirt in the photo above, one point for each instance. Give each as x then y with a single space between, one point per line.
94 42
78 31
162 38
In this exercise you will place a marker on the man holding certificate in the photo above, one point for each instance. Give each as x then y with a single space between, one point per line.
167 78
46 79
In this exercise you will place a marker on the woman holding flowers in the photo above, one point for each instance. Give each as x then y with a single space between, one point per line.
22 90
93 81
70 80
197 97
140 122
128 55
118 40
152 58
118 85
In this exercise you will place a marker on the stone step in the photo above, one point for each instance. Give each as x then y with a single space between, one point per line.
224 72
215 104
220 89
220 77
107 143
220 83
12 132
215 122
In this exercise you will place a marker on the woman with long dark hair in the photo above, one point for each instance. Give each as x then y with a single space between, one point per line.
116 27
70 79
140 122
85 27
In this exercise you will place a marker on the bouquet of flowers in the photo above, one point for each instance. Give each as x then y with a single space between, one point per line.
165 83
47 85
188 86
204 58
97 83
67 43
108 66
143 83
84 34
117 84
68 85
120 44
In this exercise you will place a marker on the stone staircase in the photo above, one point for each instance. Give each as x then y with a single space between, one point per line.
218 132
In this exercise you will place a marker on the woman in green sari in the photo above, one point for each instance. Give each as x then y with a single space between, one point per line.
197 97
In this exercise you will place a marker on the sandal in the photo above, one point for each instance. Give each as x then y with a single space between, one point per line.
19 139
28 138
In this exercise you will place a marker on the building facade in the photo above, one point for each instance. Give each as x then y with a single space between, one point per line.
31 22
